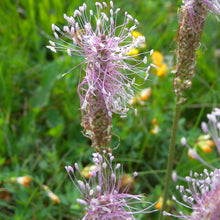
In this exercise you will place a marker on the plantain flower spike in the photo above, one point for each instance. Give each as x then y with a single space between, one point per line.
192 17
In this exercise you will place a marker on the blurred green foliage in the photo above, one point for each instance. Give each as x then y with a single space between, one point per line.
40 118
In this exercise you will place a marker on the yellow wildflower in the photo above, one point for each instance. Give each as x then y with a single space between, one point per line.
24 180
86 170
136 34
156 127
157 58
140 97
159 203
55 199
205 143
145 94
161 70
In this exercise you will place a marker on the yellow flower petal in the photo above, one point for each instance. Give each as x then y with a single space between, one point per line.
136 34
159 203
161 70
206 148
133 52
157 58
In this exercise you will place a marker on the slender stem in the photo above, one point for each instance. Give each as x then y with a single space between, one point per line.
171 156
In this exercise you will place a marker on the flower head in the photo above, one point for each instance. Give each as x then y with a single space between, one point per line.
161 67
205 143
161 70
157 58
106 86
104 45
23 180
145 94
202 196
203 193
159 203
136 34
142 96
102 196
156 127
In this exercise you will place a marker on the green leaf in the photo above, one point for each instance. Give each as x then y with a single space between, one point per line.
54 118
56 131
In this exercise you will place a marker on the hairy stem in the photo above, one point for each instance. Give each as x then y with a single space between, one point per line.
170 156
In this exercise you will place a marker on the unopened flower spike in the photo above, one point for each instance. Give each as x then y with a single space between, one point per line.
193 14
106 86
102 195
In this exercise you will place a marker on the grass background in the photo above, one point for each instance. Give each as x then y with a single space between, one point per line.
40 128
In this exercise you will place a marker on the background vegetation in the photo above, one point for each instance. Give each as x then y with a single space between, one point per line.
40 117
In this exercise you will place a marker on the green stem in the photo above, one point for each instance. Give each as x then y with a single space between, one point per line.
171 156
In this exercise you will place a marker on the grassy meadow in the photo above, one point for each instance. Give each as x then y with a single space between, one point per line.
40 129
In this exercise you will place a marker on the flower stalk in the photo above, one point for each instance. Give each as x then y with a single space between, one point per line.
171 156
